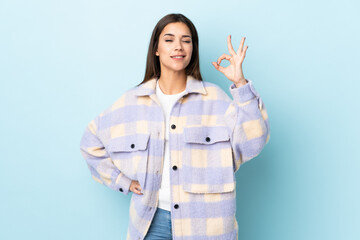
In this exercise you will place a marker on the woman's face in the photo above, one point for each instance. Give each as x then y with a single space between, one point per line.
174 40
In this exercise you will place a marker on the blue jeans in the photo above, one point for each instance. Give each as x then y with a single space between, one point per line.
160 227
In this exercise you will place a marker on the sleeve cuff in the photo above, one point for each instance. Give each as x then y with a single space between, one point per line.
244 93
122 183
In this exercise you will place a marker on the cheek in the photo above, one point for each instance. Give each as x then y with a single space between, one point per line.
190 53
162 48
190 48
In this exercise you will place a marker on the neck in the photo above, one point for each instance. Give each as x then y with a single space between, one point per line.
172 82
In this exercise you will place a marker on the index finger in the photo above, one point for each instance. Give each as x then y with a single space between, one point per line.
230 47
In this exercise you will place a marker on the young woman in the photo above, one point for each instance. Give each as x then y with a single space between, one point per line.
176 141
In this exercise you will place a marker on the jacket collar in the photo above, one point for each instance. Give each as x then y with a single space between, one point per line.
193 85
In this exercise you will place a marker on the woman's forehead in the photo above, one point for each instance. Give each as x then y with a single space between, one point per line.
178 28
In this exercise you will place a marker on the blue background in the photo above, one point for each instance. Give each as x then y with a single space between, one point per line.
63 62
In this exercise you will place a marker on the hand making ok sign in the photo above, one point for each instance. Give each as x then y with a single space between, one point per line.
234 71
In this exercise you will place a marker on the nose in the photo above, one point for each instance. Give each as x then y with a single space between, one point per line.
178 45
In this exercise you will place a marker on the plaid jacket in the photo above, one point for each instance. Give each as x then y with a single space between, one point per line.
210 137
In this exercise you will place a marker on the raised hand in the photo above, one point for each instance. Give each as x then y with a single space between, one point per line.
234 71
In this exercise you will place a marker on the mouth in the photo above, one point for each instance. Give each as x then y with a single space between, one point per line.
178 56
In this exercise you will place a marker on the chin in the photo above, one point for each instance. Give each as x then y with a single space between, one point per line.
180 68
177 68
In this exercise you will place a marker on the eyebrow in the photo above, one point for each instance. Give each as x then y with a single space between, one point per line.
170 34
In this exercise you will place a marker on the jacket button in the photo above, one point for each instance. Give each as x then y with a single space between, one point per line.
207 139
174 167
121 190
173 126
132 145
176 206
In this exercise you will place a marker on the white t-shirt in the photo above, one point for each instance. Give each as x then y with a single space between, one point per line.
167 102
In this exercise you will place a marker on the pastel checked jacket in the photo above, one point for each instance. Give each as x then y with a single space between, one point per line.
210 137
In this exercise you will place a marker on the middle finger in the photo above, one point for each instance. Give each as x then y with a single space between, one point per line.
230 47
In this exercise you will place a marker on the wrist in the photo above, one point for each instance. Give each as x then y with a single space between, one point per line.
240 83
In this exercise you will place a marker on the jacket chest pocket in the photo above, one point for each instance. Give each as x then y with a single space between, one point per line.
130 155
207 162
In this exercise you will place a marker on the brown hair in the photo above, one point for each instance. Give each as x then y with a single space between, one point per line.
153 64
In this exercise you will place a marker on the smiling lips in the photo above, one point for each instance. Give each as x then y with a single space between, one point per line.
178 56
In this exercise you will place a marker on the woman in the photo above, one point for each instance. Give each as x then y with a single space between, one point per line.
176 141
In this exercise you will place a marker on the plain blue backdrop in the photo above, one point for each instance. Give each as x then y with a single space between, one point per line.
63 62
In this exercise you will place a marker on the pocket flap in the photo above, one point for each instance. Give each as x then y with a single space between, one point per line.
205 134
129 143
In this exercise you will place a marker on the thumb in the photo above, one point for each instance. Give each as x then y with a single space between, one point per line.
139 189
218 67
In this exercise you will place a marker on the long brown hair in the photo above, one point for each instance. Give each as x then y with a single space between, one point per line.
153 64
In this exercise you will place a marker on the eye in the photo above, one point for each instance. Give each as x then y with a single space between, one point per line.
172 40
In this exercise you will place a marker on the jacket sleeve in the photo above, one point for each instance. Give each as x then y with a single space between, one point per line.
100 164
248 123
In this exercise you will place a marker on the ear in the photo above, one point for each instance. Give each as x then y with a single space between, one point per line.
156 53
